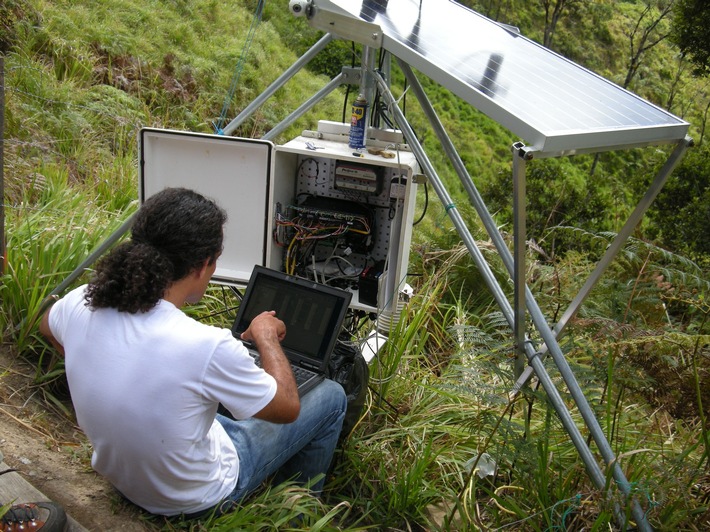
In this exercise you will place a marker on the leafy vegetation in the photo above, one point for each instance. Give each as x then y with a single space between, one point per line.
682 209
442 444
691 33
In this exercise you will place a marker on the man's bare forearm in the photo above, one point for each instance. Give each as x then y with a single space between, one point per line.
267 331
275 363
47 332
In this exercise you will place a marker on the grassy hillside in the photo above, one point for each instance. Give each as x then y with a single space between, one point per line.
202 63
82 77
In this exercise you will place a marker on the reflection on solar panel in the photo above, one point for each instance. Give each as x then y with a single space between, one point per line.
552 103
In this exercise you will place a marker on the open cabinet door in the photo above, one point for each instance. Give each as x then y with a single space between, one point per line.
234 172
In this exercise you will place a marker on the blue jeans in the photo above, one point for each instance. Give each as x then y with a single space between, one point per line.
299 451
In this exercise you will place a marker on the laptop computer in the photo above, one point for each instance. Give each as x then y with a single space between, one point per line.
312 312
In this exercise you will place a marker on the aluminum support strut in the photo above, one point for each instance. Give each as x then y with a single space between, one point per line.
367 84
305 106
277 84
491 227
538 319
79 270
486 272
519 237
473 194
614 248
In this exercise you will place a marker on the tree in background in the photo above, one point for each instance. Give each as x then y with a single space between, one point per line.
691 32
493 9
646 33
681 211
553 13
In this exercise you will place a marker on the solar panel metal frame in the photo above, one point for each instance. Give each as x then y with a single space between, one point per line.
553 104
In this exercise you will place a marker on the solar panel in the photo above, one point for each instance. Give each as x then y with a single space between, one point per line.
552 103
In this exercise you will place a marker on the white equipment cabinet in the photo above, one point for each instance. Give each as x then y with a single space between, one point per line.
312 207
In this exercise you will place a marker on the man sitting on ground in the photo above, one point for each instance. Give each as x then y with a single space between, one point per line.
146 380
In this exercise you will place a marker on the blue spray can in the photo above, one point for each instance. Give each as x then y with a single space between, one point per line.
357 123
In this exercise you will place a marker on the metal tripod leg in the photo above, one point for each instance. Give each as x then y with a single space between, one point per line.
592 466
276 85
304 107
88 261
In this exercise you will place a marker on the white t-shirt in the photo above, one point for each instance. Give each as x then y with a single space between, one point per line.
146 388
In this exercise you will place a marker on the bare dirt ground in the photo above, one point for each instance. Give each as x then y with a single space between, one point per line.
51 453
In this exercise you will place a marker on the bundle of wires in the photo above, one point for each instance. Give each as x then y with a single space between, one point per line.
309 230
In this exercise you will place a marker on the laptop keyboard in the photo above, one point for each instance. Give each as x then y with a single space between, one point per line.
300 374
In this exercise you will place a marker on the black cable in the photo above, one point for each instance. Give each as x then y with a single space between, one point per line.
426 204
219 312
345 103
347 89
382 112
304 161
382 398
227 307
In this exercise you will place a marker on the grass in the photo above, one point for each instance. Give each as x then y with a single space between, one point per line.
438 401
52 232
440 445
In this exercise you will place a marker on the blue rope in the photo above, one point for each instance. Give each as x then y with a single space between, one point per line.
635 487
438 223
240 65
575 503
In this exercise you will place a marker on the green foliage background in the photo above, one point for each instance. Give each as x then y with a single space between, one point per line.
82 77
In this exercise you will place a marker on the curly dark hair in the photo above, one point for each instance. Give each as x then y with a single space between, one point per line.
173 233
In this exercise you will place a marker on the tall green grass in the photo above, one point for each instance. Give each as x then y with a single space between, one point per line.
438 405
53 228
424 455
440 446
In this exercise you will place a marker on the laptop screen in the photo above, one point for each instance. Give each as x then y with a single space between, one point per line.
313 312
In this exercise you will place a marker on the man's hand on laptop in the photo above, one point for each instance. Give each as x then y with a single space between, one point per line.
263 327
267 331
